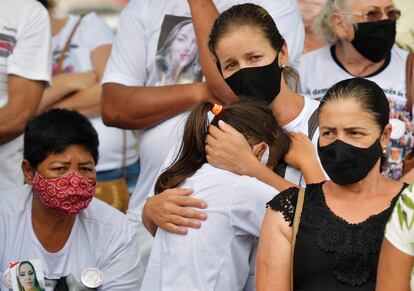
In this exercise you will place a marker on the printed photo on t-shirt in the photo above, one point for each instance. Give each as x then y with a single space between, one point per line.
27 275
176 60
69 63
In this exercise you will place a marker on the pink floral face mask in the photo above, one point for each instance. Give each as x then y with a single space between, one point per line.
66 195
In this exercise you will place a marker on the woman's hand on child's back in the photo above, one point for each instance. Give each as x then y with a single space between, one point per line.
171 211
227 149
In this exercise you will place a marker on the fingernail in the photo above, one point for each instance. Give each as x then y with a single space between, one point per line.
203 205
203 216
197 224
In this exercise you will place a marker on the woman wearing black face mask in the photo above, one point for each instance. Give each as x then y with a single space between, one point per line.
343 220
361 35
252 58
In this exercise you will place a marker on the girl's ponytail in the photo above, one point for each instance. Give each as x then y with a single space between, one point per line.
252 118
192 154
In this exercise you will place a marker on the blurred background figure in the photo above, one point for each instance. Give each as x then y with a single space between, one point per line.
108 10
405 26
81 46
24 73
310 9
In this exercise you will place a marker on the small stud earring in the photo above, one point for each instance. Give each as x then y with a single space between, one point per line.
283 66
384 151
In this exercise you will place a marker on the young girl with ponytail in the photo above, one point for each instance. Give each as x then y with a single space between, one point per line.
217 254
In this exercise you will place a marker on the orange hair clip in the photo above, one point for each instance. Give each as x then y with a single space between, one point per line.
216 109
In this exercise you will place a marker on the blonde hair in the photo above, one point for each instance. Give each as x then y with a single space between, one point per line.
292 78
323 24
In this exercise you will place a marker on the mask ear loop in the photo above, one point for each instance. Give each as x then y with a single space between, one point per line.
355 25
265 157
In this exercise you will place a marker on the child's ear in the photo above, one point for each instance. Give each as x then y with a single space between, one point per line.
28 172
259 150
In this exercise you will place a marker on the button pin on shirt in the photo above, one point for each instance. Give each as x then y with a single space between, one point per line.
92 278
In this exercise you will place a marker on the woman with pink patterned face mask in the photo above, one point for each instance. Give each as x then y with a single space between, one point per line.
62 174
54 217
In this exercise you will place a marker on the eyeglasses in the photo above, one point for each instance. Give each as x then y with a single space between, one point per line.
376 14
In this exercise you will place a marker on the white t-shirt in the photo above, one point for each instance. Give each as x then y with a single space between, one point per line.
319 71
92 33
101 237
216 256
142 34
24 45
301 124
139 197
399 230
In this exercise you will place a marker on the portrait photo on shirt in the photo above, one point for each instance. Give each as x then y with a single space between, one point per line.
27 275
177 60
70 62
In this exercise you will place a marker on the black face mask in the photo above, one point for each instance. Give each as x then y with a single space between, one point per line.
374 40
347 164
259 82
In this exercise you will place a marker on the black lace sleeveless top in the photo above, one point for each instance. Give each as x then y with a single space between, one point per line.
330 253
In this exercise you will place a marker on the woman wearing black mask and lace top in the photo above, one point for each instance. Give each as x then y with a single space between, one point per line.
343 220
361 37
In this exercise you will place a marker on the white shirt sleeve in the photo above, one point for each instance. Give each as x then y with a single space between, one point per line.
122 268
33 47
289 22
97 31
249 205
127 63
3 232
399 230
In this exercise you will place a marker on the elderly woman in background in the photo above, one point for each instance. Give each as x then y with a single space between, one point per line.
310 9
361 37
